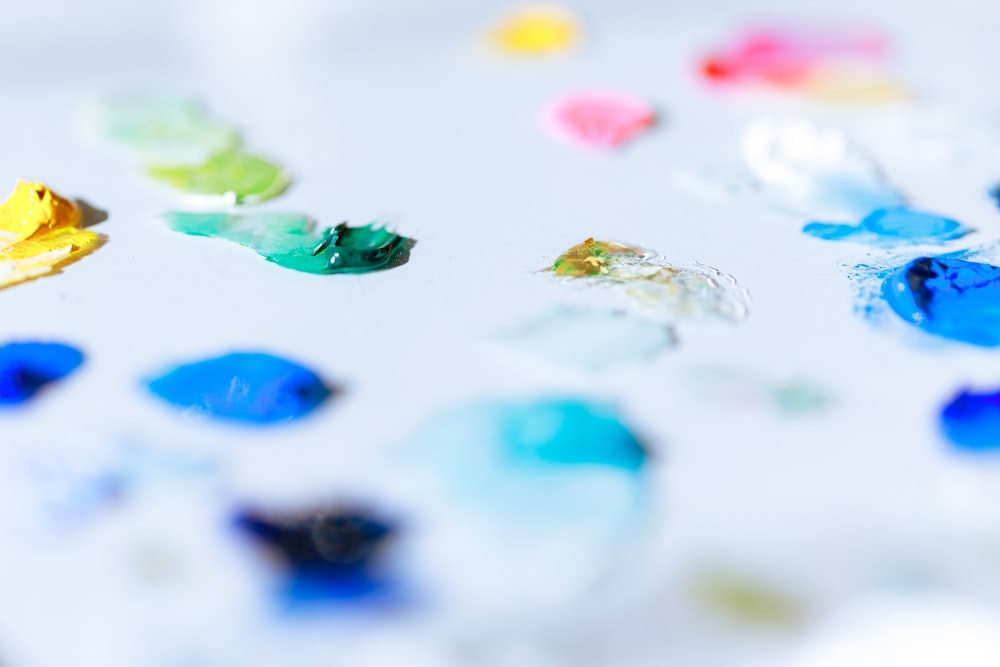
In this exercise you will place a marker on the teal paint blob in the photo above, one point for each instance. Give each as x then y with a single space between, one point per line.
948 297
293 241
249 387
891 226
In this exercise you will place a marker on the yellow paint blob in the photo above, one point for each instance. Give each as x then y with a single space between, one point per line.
853 86
538 30
39 232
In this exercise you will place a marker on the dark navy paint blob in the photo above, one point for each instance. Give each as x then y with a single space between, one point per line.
329 553
892 226
953 298
972 421
27 367
249 387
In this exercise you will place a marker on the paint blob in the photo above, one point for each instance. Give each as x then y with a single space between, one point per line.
971 421
588 338
539 30
828 62
891 226
746 601
247 387
948 297
599 119
26 368
39 233
662 290
293 241
328 552
235 177
995 194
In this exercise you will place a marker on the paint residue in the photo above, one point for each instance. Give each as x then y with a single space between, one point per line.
292 240
234 177
971 420
246 387
328 552
665 291
599 119
735 388
815 171
747 601
828 62
39 233
589 338
538 30
948 297
27 367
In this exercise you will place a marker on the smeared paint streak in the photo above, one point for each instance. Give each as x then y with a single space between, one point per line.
40 233
234 177
588 338
666 292
26 368
747 601
735 388
971 421
247 387
948 297
329 552
292 240
834 63
599 119
816 171
539 30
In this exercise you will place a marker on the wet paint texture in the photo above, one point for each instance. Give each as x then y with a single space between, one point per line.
293 241
948 297
328 553
234 176
25 368
39 233
246 387
539 30
599 119
971 421
891 226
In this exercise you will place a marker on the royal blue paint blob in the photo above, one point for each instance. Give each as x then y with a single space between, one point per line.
892 226
972 421
243 386
329 553
948 297
27 367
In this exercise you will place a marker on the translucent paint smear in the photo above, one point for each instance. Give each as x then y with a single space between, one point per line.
234 177
971 420
249 387
733 388
948 297
538 30
27 367
599 119
293 241
815 171
664 291
39 233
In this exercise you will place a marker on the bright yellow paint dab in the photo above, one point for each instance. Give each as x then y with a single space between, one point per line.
539 30
39 232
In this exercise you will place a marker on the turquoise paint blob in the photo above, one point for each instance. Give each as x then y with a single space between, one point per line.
27 367
892 226
948 297
971 421
249 387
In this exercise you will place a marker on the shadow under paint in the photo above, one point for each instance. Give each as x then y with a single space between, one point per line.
90 214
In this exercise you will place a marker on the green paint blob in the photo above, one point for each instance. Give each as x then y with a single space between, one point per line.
292 240
236 176
164 129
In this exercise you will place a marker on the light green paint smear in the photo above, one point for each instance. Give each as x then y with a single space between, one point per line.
164 129
292 240
236 176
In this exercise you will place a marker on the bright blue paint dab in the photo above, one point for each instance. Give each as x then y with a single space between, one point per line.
248 387
972 421
948 297
27 367
892 226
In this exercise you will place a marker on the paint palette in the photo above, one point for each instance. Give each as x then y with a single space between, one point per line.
493 335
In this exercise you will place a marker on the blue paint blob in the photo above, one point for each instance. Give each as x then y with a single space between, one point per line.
972 421
892 226
952 298
330 554
995 193
243 386
27 367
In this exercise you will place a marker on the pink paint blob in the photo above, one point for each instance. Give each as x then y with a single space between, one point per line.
599 119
